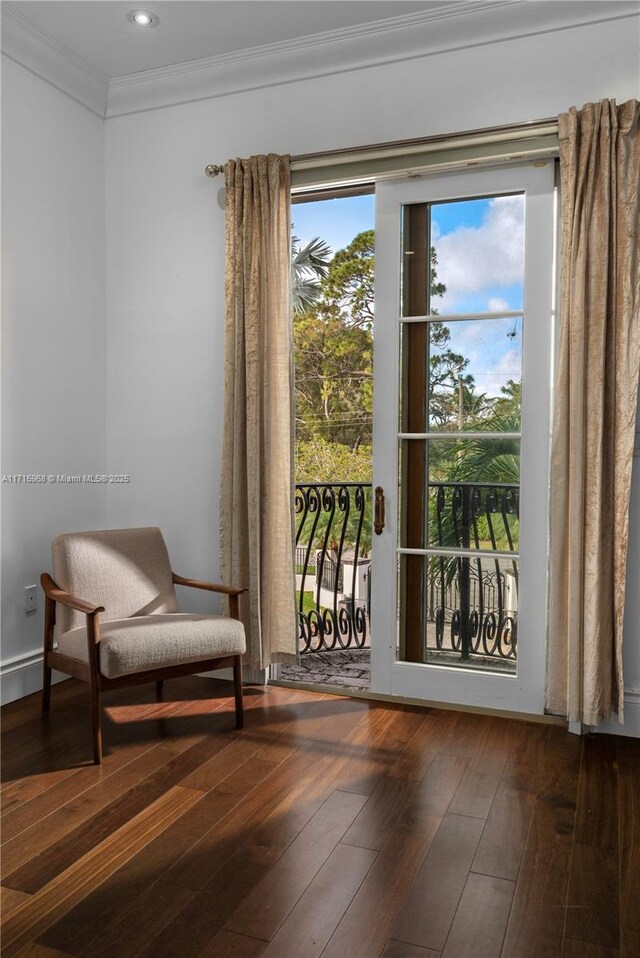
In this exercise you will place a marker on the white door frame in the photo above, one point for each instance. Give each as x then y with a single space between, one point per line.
523 691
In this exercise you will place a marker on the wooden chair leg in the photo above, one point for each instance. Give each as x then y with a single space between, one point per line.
237 682
49 623
46 686
96 722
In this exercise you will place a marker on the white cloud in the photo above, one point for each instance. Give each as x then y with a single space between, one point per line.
474 258
497 305
507 367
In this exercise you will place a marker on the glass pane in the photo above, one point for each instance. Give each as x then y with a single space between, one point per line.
469 515
463 256
473 494
475 372
459 612
471 499
471 615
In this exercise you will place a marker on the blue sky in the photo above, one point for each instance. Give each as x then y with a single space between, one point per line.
479 245
335 221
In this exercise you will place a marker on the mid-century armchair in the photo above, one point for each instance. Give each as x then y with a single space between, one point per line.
114 611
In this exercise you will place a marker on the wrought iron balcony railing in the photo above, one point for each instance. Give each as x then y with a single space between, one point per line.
333 539
472 606
473 600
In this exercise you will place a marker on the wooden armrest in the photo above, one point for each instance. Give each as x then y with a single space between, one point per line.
208 586
53 591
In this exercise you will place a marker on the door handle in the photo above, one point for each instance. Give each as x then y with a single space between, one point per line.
378 515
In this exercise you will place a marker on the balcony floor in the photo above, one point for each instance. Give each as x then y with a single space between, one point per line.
344 668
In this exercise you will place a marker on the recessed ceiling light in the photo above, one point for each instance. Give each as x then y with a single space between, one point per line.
143 18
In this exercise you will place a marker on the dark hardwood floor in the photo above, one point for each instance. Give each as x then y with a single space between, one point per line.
328 827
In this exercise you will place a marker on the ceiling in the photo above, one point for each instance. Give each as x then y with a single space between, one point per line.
99 32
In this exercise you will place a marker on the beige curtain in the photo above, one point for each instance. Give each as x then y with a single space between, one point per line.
256 507
595 408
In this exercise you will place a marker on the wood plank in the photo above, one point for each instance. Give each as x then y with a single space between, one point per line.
80 926
467 733
317 913
33 950
61 855
331 720
152 912
427 741
132 731
597 793
66 820
503 840
195 927
536 923
377 819
30 918
367 925
572 948
178 725
372 827
629 849
373 747
227 944
75 930
271 819
431 904
479 925
267 819
15 794
400 949
21 712
525 762
59 738
263 911
10 898
593 900
440 784
476 792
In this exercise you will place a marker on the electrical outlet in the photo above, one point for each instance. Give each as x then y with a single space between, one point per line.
30 599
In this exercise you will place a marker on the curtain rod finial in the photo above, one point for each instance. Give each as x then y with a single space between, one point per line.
212 170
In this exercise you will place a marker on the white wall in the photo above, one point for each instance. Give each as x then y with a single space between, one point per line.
165 242
53 358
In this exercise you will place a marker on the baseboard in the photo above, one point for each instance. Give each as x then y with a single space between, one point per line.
22 676
631 727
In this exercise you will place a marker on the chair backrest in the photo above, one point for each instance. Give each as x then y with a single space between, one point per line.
125 570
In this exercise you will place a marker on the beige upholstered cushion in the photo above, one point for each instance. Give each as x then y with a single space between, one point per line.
155 641
125 570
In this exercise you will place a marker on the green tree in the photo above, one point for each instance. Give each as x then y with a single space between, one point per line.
319 460
309 265
334 351
334 390
348 288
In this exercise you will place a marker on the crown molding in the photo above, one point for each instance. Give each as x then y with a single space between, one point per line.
449 26
444 27
36 50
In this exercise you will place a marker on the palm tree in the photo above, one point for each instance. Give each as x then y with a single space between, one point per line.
309 265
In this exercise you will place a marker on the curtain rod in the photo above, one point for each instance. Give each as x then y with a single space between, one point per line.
307 159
